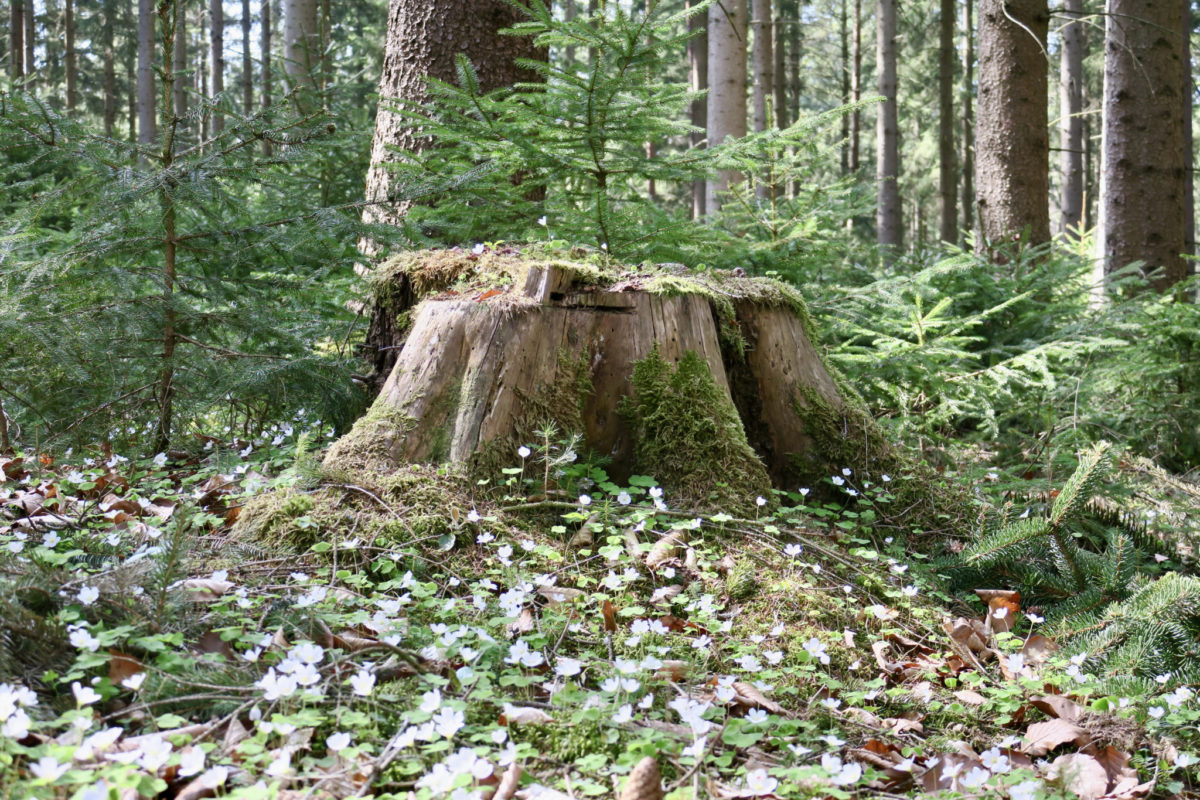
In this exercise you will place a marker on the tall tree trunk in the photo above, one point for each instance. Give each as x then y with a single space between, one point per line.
968 123
697 53
179 60
145 72
764 78
110 68
844 76
1142 175
247 63
268 20
16 39
856 89
216 60
203 50
889 224
301 42
651 145
779 88
69 35
1071 113
1189 185
570 10
30 38
947 174
1012 144
167 13
726 88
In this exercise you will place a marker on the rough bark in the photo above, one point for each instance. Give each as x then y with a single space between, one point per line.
1012 146
947 169
302 42
1071 117
764 79
30 38
16 39
844 77
110 68
856 89
422 42
268 19
968 122
70 58
1189 186
570 10
216 58
726 89
247 63
481 370
180 64
145 72
697 53
779 87
890 230
202 71
1142 176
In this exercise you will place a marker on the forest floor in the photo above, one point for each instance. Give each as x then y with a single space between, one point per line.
556 637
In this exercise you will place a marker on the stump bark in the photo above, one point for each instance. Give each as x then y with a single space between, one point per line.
518 343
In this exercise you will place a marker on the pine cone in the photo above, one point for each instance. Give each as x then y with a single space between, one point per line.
645 782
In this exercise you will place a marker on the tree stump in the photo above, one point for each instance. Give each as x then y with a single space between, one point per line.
708 382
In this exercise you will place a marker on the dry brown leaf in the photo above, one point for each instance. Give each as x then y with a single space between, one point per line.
558 595
609 611
644 782
1037 649
508 783
666 594
1057 706
122 666
112 502
351 642
690 560
749 696
970 698
943 774
522 624
899 725
633 544
1042 737
1116 764
524 715
863 717
1079 773
203 785
673 670
235 734
664 549
204 590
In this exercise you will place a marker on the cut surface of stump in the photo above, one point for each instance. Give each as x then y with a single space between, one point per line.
707 382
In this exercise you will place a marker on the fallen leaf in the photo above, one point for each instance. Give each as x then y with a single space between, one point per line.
664 549
666 594
204 590
508 783
970 698
524 715
673 670
610 616
899 725
1057 706
1042 737
749 696
122 666
522 624
1079 773
644 782
1037 649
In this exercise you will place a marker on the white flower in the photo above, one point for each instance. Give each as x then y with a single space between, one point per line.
1156 711
624 499
276 686
1033 619
816 649
191 761
838 480
1025 790
478 249
542 220
51 540
1015 662
81 639
308 653
793 550
84 695
362 682
760 782
448 722
336 742
134 681
431 701
88 595
585 500
756 716
523 451
281 766
696 749
520 653
995 761
567 667
885 478
473 516
160 460
623 715
155 753
760 501
975 778
48 769
804 491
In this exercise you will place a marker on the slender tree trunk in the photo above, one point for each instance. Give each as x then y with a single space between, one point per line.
968 123
727 88
216 59
179 61
570 10
1012 143
779 88
16 39
145 72
326 55
697 53
1189 185
131 71
267 21
168 12
845 69
110 68
856 89
890 229
764 78
5 444
947 175
203 51
30 39
795 41
1142 175
651 145
247 63
1071 112
301 42
69 35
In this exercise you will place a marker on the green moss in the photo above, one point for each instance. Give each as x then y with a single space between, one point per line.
372 444
688 434
742 581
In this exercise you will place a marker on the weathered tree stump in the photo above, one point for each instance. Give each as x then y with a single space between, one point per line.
700 379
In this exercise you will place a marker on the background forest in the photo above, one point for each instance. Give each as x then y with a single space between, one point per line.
987 207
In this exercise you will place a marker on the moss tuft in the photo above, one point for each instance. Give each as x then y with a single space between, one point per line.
372 444
688 434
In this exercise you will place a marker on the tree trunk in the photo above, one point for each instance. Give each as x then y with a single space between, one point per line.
947 174
478 374
697 53
856 90
145 72
726 89
203 50
844 75
570 10
30 38
1012 147
651 145
69 35
110 68
16 39
1142 176
1071 113
179 60
968 122
267 21
301 42
216 60
890 231
779 95
422 42
247 63
764 78
1189 186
